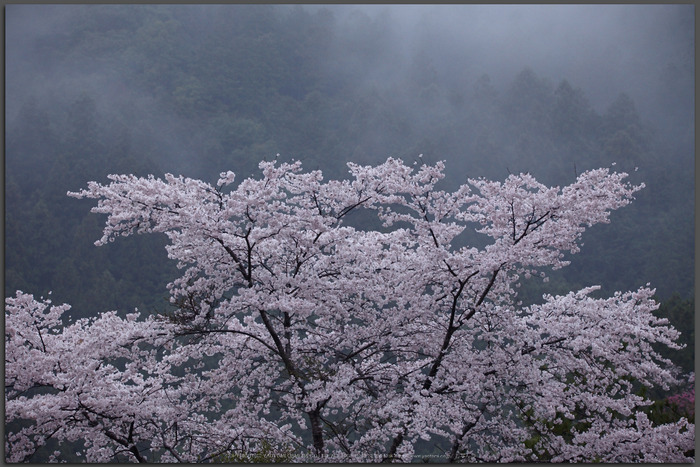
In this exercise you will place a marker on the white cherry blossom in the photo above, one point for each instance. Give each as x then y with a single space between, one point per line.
298 324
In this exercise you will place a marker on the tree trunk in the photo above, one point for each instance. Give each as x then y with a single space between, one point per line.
316 430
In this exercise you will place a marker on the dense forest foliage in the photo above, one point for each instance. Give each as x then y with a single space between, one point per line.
191 90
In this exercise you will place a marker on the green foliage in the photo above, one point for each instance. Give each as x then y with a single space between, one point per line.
541 428
663 411
265 452
666 409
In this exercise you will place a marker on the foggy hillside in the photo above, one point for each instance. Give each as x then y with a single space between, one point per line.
197 90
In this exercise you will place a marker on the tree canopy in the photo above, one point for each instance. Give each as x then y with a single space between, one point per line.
295 328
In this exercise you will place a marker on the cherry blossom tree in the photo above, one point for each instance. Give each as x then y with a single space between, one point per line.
299 328
685 400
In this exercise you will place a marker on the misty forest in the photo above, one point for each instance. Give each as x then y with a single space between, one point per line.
387 102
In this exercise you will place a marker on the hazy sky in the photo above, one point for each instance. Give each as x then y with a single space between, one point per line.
604 49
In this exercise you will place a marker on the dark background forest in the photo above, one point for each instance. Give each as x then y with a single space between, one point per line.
196 90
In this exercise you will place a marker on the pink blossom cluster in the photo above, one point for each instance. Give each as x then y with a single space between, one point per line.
685 400
296 324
